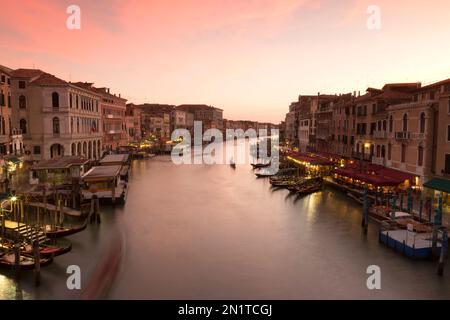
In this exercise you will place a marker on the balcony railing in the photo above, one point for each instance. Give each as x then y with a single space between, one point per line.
380 134
403 135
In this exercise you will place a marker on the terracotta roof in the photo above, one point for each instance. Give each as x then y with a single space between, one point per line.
436 84
47 79
26 73
5 69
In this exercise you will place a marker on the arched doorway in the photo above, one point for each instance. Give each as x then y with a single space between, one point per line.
56 150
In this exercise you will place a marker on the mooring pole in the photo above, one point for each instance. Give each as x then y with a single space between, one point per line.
365 222
97 209
420 209
37 263
17 259
444 253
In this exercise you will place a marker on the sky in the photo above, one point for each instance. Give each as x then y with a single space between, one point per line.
251 58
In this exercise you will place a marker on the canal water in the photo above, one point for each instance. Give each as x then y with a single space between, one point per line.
211 232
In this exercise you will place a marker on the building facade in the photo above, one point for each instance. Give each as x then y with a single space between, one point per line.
6 143
55 117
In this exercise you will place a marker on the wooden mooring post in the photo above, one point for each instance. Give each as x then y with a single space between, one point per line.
95 209
17 260
37 263
444 253
365 220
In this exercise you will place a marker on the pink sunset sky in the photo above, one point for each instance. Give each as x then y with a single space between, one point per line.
248 57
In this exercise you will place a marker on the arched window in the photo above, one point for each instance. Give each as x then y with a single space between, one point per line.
391 123
23 125
420 156
422 122
55 100
74 149
405 122
378 151
55 125
389 151
22 102
383 152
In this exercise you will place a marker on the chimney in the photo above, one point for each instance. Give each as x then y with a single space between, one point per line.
119 95
107 90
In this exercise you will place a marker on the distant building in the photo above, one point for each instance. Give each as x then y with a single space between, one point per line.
156 120
133 123
210 117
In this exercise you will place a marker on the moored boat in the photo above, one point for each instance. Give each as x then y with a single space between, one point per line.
8 261
61 231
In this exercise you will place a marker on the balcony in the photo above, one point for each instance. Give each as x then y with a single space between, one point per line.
402 135
379 161
380 134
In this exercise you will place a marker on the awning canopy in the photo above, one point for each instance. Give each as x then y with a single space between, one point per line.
438 184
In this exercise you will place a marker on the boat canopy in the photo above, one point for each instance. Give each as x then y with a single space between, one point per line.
60 163
102 173
113 159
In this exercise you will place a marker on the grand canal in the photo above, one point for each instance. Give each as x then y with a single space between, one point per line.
211 232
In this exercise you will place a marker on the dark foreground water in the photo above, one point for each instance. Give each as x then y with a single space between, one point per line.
211 232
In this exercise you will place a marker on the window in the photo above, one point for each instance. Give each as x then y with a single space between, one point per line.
448 106
37 149
9 101
76 101
405 123
432 95
420 156
447 163
22 102
23 125
448 133
21 84
383 152
55 125
403 153
389 151
3 78
55 100
2 98
70 100
422 123
391 123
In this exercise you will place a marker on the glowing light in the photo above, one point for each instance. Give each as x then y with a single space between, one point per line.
13 198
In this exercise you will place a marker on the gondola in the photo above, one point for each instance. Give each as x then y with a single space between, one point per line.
7 261
260 165
50 250
64 232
